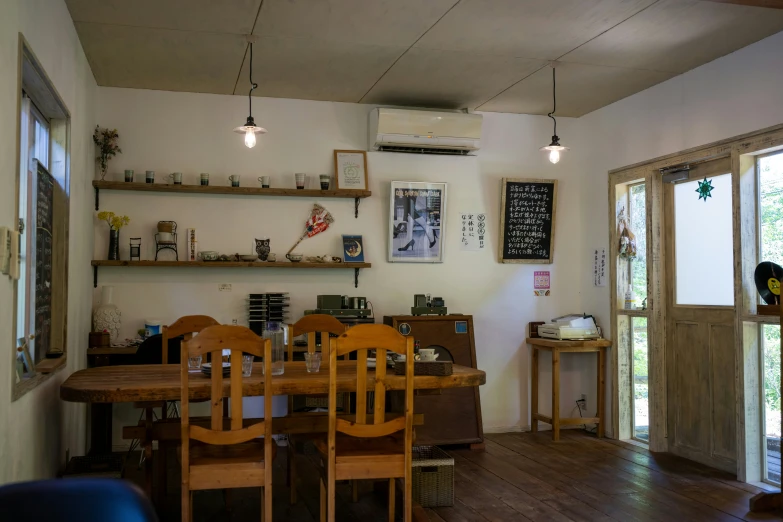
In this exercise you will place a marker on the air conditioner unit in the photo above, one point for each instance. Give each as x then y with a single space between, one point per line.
427 132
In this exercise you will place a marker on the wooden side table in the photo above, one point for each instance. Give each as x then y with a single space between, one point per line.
537 344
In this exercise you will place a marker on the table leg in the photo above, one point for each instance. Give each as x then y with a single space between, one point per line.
100 429
555 395
599 431
534 391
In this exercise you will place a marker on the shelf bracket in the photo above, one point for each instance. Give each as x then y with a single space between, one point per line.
356 278
97 199
95 272
355 202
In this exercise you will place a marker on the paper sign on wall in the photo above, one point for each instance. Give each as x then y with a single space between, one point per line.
474 231
541 283
599 266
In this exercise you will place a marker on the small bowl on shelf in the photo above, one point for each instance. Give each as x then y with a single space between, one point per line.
249 257
294 258
208 255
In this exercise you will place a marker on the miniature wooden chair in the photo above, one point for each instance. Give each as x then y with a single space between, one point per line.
356 450
229 456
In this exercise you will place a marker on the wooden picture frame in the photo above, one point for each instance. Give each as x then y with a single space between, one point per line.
350 170
502 231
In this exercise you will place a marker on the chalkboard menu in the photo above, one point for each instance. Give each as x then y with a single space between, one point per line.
44 203
527 220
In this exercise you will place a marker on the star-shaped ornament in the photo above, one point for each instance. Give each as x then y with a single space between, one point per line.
705 189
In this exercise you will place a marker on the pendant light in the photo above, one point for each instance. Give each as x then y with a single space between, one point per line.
554 148
250 129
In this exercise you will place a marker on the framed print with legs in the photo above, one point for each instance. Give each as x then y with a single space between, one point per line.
417 225
350 169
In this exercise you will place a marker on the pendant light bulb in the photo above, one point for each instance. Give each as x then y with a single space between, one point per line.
554 148
250 129
250 140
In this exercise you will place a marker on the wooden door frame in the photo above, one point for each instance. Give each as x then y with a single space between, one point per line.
742 151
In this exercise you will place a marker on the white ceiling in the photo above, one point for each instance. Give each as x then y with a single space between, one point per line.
489 55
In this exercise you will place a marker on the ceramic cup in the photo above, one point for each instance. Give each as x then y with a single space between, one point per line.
176 177
324 181
164 237
271 258
300 180
234 179
150 176
264 180
129 176
204 178
294 258
427 354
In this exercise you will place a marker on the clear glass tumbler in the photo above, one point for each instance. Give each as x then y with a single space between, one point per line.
274 332
194 364
313 362
247 365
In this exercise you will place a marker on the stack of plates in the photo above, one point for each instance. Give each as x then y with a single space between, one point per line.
271 306
206 369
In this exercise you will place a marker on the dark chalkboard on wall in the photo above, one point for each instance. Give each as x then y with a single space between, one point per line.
44 207
527 220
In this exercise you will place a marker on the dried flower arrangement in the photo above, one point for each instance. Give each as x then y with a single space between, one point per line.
106 140
115 222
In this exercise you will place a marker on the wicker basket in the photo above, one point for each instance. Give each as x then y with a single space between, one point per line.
433 477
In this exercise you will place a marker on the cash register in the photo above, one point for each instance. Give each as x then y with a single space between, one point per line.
570 327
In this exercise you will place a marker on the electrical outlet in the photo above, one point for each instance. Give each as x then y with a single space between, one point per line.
224 287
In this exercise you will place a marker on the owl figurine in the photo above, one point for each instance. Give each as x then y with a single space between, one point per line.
262 249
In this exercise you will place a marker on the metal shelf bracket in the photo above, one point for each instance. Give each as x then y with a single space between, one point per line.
356 278
97 198
95 274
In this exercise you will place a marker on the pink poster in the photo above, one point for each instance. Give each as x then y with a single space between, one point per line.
541 282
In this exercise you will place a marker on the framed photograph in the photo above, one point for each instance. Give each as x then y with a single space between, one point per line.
417 225
353 249
350 170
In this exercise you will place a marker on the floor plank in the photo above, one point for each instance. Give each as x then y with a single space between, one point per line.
520 477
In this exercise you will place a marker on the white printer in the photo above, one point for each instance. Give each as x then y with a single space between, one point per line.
569 327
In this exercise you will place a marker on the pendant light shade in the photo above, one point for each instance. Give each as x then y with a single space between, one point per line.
250 129
554 148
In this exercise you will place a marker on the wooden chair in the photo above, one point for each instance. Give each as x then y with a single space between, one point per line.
357 450
228 457
184 326
310 325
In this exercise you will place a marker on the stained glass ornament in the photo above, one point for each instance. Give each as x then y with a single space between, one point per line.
705 189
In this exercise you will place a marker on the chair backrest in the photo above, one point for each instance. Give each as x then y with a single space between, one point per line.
75 500
213 340
310 325
359 339
184 326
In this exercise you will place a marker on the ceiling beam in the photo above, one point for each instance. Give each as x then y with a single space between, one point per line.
771 4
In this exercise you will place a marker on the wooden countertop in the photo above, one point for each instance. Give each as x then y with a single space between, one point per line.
157 382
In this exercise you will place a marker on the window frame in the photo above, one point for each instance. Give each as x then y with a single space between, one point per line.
33 82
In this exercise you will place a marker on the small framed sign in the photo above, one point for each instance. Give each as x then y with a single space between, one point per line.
350 169
353 249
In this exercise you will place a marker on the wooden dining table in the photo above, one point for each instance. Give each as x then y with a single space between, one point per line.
161 382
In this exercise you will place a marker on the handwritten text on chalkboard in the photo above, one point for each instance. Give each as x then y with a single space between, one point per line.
527 220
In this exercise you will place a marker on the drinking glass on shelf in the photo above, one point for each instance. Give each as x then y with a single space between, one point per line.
247 365
194 364
313 362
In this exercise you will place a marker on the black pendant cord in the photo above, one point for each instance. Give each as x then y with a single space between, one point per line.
253 86
554 100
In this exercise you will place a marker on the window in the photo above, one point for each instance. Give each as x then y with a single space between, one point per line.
641 409
770 183
637 214
35 145
42 208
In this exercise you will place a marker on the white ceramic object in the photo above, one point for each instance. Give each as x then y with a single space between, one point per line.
107 316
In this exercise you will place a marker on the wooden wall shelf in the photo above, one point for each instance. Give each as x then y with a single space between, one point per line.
356 195
768 310
228 264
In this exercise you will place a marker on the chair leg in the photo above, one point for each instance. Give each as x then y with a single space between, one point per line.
355 491
187 497
267 492
263 511
323 501
391 500
292 469
407 500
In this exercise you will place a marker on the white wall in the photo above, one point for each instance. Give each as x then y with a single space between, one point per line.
36 430
191 133
736 94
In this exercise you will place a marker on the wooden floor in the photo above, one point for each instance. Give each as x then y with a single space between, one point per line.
520 476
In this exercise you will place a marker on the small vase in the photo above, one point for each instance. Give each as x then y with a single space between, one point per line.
114 245
107 316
